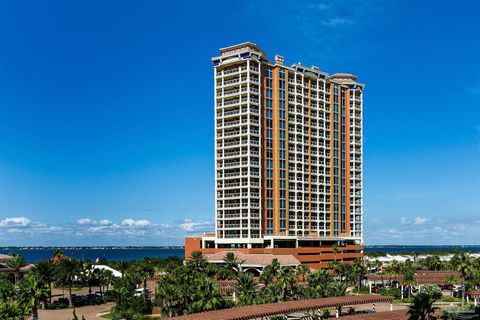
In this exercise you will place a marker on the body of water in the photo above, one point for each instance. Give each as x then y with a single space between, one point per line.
33 255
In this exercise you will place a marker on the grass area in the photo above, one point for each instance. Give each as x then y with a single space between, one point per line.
443 299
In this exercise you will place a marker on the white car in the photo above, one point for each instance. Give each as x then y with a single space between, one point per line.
140 292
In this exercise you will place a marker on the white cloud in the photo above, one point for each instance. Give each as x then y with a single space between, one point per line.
135 223
15 222
88 221
104 222
336 21
320 6
420 220
403 220
84 221
196 226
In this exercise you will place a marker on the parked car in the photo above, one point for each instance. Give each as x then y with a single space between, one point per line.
140 292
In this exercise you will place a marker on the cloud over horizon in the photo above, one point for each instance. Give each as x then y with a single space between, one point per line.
22 231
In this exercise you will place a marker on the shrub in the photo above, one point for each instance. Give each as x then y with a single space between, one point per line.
393 292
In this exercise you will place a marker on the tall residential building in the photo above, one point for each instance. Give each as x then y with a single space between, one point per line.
288 159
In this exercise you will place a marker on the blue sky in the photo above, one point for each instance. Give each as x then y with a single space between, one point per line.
106 113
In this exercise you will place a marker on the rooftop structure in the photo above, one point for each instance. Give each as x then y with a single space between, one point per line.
284 308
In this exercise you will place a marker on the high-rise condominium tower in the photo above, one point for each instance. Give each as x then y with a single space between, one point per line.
288 159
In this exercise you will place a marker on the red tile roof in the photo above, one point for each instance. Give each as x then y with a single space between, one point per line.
271 309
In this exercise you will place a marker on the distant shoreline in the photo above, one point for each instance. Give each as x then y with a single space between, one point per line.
2 248
390 248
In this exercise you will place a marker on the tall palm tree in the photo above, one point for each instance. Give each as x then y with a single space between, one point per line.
197 259
69 270
16 262
335 251
422 307
105 279
245 289
415 256
266 277
45 271
359 270
285 282
33 292
145 270
123 266
233 262
465 267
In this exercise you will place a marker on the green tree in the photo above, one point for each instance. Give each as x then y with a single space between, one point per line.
145 270
197 260
33 292
127 305
13 310
359 270
285 282
465 268
68 269
232 262
207 296
245 289
45 271
422 307
320 281
338 289
269 272
16 262
122 266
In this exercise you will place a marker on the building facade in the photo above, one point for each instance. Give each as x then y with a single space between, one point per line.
288 159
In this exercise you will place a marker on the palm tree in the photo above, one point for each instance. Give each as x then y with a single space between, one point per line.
338 289
335 251
90 276
32 293
285 282
105 279
464 266
122 266
145 270
45 271
197 259
233 262
266 277
245 289
359 270
16 262
68 271
320 281
302 271
415 256
207 296
422 307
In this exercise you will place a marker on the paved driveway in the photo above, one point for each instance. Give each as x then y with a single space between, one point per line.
89 312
